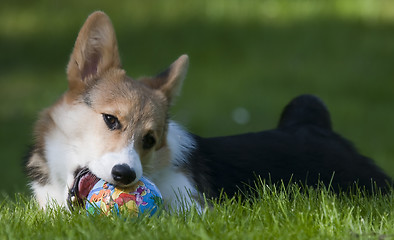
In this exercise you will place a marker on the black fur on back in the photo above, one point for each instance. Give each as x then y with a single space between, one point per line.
305 110
303 148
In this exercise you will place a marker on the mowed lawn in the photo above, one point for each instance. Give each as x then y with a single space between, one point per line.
284 212
248 59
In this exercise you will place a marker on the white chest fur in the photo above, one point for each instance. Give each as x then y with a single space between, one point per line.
177 191
176 187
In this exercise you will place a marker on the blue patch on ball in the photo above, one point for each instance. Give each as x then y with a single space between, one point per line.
142 197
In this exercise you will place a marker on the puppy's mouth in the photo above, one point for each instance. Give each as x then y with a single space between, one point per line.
84 181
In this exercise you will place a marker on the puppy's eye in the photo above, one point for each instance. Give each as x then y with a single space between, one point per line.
111 121
148 141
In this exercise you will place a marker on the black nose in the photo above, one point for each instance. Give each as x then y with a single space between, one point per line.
123 173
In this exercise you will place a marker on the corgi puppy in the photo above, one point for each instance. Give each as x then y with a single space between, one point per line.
114 127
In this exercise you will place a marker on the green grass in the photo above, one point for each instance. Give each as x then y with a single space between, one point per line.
249 54
275 213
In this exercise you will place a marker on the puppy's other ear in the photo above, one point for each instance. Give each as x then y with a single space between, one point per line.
95 51
169 82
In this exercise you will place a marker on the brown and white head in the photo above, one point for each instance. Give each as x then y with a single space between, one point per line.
106 121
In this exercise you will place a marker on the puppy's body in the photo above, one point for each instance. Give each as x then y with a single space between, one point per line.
118 128
303 148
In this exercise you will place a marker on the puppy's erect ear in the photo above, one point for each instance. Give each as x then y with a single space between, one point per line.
95 51
169 82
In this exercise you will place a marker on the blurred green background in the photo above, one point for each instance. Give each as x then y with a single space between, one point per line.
248 58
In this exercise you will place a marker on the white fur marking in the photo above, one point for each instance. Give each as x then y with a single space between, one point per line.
102 167
180 143
66 150
49 195
176 188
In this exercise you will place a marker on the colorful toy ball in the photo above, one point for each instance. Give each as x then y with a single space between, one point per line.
136 200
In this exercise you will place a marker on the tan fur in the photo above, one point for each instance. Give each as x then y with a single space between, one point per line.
95 51
139 108
97 86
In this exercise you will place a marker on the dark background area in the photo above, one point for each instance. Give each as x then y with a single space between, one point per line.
248 59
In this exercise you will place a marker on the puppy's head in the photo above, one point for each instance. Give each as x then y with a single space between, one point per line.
121 123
